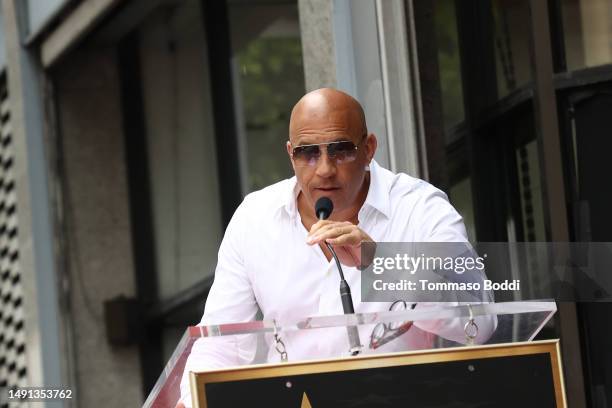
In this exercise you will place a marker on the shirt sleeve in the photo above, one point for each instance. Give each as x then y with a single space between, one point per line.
230 300
440 222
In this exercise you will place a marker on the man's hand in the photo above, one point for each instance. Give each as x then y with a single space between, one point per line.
345 237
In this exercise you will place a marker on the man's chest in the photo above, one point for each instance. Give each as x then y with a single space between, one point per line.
292 279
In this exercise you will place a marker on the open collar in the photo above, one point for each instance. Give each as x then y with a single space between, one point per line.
377 198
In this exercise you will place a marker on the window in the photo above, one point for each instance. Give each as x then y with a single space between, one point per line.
208 87
587 32
268 81
491 160
180 145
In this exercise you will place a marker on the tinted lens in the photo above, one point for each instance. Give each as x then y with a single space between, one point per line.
306 155
398 305
395 307
396 325
342 151
378 332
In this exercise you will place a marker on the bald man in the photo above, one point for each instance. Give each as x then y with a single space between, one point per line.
273 256
322 120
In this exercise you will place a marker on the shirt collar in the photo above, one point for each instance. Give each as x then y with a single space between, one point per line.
378 193
377 198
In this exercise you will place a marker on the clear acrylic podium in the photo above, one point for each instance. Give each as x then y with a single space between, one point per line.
429 327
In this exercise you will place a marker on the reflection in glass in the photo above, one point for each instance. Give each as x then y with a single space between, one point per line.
587 30
269 79
449 63
511 42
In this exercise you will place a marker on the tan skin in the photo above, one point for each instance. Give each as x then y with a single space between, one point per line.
321 116
328 115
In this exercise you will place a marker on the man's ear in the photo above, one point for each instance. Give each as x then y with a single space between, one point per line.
289 150
371 144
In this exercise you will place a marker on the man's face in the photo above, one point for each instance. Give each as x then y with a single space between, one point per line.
341 182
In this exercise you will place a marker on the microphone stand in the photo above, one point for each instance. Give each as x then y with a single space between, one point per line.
347 306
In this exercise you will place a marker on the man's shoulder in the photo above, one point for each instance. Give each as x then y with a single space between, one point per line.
408 189
268 199
423 209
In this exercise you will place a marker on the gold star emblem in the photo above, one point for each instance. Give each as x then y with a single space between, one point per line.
305 401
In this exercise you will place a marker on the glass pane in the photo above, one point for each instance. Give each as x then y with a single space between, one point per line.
460 195
268 81
449 62
171 335
218 346
587 29
511 42
180 146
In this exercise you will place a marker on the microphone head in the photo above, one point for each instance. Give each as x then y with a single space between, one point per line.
324 208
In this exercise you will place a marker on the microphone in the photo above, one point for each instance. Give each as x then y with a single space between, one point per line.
323 209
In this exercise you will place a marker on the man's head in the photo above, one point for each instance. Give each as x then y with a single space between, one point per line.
326 116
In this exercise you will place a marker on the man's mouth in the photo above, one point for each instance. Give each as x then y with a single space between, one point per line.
327 189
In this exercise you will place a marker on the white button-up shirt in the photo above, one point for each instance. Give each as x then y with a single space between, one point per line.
264 262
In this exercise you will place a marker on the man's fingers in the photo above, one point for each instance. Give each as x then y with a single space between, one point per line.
322 228
329 230
318 225
350 238
350 231
323 225
335 231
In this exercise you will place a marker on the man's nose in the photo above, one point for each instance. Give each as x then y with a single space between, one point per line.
326 166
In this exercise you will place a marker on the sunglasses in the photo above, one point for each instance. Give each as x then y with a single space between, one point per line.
385 332
340 152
